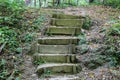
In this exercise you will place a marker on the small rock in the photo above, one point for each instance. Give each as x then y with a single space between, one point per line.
33 75
118 17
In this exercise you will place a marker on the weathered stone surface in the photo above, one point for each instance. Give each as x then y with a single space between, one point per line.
59 68
63 77
59 40
67 22
63 31
60 58
65 16
56 49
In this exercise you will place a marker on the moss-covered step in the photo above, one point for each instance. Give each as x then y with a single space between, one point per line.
63 30
58 68
55 58
58 40
56 49
66 16
67 22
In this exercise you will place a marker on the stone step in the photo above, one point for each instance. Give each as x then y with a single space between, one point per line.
55 58
56 49
61 77
63 30
58 68
58 40
67 22
66 16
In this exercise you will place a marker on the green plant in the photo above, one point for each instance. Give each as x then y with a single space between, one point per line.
5 72
10 37
16 34
113 3
28 37
112 40
37 23
87 23
46 73
3 69
10 13
115 58
115 29
39 62
10 24
82 39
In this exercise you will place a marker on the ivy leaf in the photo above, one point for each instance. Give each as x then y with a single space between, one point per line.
3 62
17 78
19 50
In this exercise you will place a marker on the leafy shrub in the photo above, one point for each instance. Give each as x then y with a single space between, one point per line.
82 38
38 22
10 14
3 70
87 23
113 3
16 32
39 62
113 42
6 73
9 36
115 30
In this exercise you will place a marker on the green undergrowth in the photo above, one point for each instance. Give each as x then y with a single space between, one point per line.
112 41
18 26
39 61
87 23
46 73
113 3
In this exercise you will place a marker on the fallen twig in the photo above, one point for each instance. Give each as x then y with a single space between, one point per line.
3 45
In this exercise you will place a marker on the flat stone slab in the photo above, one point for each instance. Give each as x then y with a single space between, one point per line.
59 68
67 22
58 40
56 49
62 77
55 58
63 30
65 16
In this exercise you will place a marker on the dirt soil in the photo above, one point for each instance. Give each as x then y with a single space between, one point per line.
100 16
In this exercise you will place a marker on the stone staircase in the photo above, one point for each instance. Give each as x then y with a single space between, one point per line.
57 47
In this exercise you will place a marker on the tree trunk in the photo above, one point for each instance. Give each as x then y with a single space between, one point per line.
53 2
90 1
39 3
69 2
58 2
35 3
77 2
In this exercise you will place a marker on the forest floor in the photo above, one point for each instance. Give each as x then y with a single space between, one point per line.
101 16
